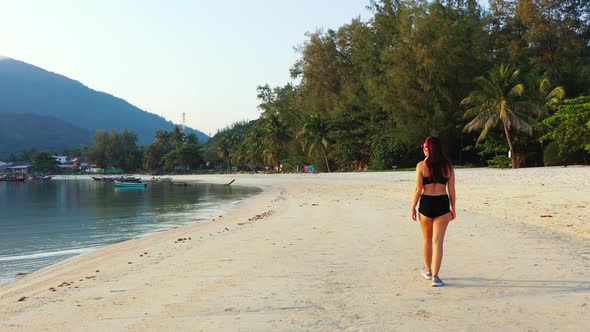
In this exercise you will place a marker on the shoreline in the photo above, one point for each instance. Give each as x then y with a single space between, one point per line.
332 251
57 255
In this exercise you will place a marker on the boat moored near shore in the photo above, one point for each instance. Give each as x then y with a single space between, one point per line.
124 184
17 178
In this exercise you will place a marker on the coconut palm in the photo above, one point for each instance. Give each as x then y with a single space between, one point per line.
254 144
315 135
163 137
240 154
177 136
542 93
499 99
277 137
224 147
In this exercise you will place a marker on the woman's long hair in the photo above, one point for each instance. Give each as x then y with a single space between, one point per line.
438 165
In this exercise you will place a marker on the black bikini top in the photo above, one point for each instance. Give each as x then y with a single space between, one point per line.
441 180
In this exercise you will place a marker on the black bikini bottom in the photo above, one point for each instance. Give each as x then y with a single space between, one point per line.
434 206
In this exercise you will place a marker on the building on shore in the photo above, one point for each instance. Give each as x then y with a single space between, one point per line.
15 169
61 159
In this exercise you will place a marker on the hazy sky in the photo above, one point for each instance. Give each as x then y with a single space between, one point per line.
201 57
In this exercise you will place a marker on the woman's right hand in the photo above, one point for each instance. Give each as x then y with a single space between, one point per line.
414 214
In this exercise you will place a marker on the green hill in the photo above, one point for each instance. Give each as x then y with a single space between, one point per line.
27 89
24 131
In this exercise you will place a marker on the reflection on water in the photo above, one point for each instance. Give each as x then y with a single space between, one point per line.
45 222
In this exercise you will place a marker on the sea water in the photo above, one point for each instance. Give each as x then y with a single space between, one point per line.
44 222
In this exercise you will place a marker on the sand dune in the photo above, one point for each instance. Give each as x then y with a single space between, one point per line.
336 252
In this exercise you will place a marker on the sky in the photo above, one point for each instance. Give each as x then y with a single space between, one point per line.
203 58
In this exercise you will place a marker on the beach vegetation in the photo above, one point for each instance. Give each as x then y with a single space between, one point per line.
186 157
488 150
114 149
500 162
418 68
499 100
173 151
44 162
569 126
315 136
551 155
226 146
277 136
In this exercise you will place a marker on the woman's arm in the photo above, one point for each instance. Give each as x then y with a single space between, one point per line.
451 189
417 192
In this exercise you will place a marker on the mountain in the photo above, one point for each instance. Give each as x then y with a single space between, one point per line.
28 89
19 131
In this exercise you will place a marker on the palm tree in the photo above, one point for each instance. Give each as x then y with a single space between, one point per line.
225 146
177 136
542 93
254 145
163 136
499 99
239 154
315 135
277 137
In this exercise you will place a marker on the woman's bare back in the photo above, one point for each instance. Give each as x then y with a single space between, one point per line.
433 189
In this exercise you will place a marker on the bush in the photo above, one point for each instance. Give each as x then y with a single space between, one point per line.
551 155
488 150
500 162
386 152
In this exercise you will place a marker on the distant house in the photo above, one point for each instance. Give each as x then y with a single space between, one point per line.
68 165
82 164
14 169
61 159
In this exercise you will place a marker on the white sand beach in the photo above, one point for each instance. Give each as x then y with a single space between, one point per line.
336 252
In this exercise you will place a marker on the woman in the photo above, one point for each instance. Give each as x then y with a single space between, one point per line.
435 188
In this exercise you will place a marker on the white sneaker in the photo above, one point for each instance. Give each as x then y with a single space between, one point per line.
426 274
436 282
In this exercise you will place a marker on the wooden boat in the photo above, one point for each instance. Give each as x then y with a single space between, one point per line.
161 179
128 178
105 178
41 177
123 184
12 178
123 178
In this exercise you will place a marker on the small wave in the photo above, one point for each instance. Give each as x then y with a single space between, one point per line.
47 254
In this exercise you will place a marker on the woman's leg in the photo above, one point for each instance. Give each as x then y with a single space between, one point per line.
426 226
439 227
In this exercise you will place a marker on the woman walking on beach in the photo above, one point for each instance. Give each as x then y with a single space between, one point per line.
435 189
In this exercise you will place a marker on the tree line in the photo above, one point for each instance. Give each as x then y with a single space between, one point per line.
171 151
487 81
